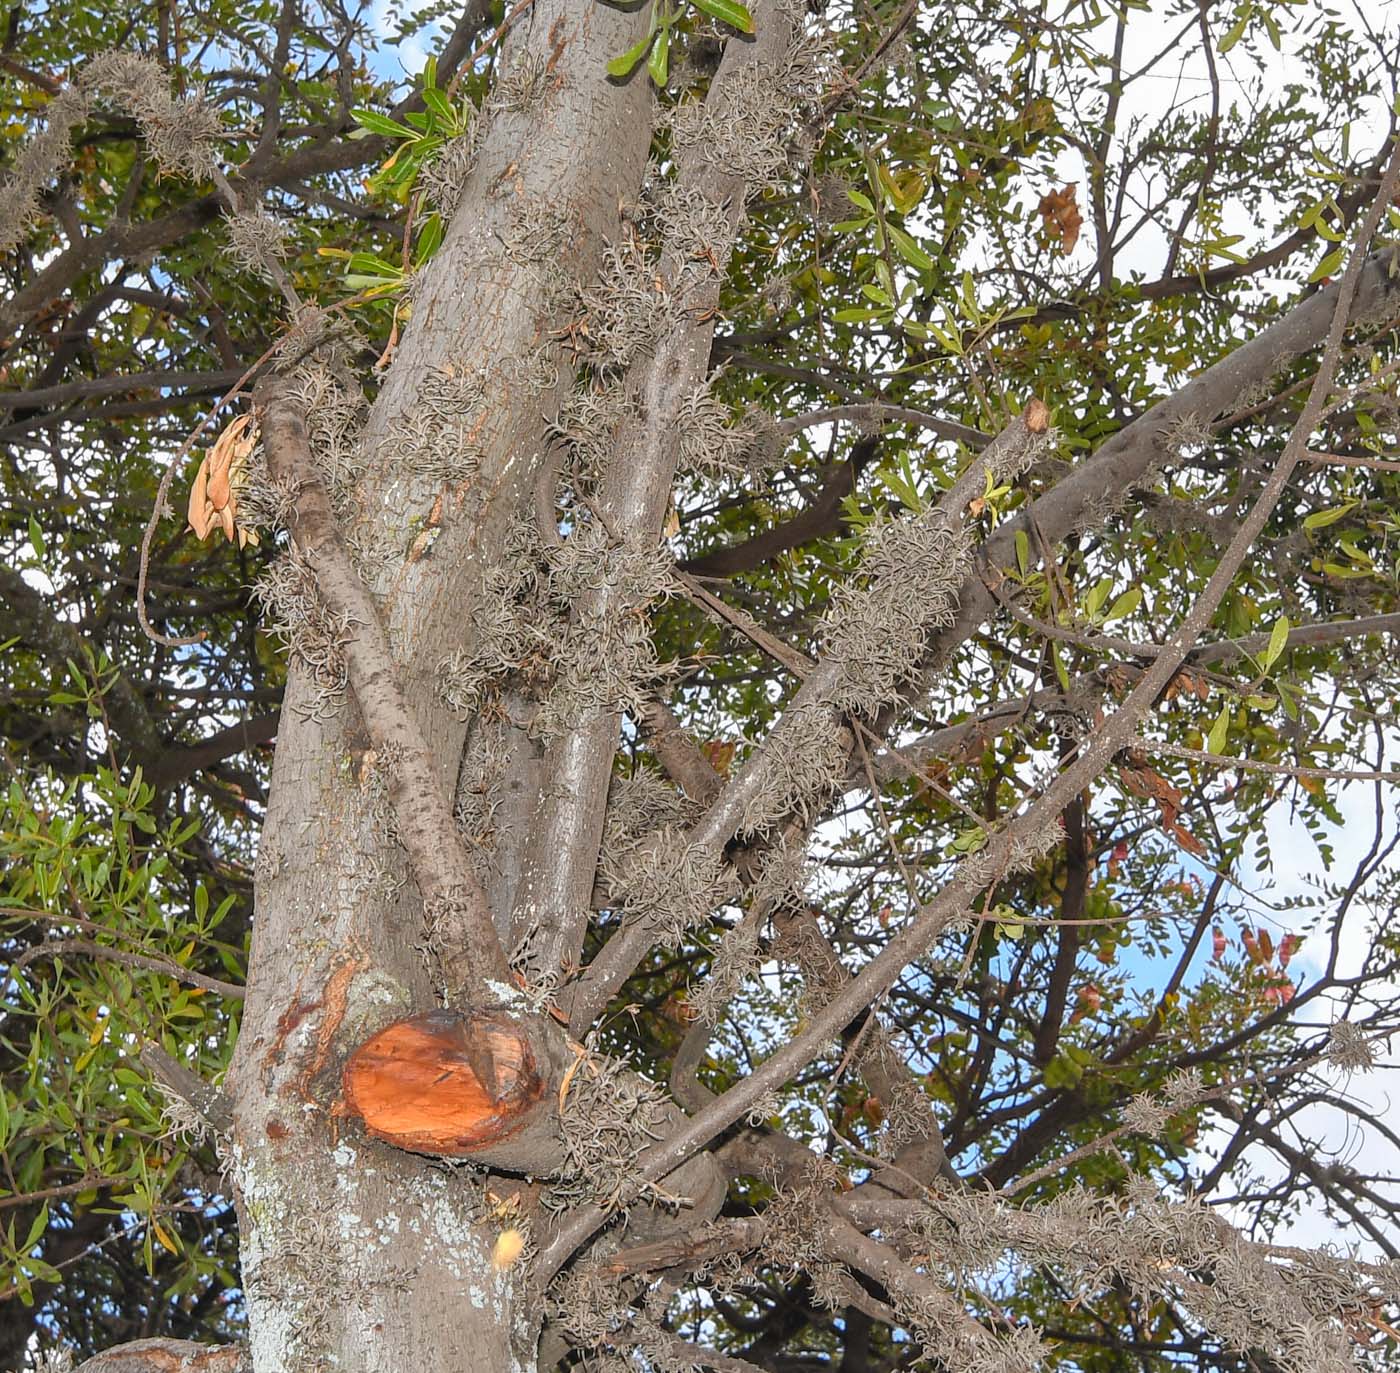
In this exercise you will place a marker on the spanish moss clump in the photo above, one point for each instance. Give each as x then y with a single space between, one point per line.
435 438
538 230
797 1220
479 781
179 132
710 442
877 628
689 223
763 118
736 961
443 179
1018 450
639 805
908 1116
607 1116
592 1305
831 202
335 413
591 422
626 311
1150 1115
590 560
523 86
667 884
1349 1049
767 444
780 884
37 164
379 774
603 661
257 242
823 975
981 869
806 768
314 635
501 634
1249 1296
603 658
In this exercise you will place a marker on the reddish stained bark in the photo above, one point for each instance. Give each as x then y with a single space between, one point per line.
443 1082
166 1356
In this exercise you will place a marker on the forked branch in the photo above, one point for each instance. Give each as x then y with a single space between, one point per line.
436 855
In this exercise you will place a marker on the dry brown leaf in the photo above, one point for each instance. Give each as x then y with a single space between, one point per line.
219 481
1060 212
719 753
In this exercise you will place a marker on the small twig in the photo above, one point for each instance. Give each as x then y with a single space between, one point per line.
1224 760
90 1182
51 947
797 663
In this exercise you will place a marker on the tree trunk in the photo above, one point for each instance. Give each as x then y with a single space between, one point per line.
358 1255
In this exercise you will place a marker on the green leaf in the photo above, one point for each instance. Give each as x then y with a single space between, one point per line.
1098 594
1062 1071
429 239
36 538
1320 519
1236 31
1215 740
1023 551
440 105
1125 604
909 250
658 64
622 64
1278 641
36 1230
1329 265
381 124
729 12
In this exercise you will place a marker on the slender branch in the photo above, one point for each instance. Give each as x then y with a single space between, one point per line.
207 1101
873 412
50 948
821 518
1225 760
795 661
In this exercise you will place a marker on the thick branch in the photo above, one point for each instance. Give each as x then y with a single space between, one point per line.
175 764
562 853
821 518
439 861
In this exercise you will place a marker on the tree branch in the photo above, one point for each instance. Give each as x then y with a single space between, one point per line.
439 860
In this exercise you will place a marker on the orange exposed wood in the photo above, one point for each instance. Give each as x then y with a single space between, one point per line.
443 1082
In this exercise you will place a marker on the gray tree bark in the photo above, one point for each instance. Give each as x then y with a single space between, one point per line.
357 1256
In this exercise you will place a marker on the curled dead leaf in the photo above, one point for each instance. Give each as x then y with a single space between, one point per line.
222 475
1060 212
